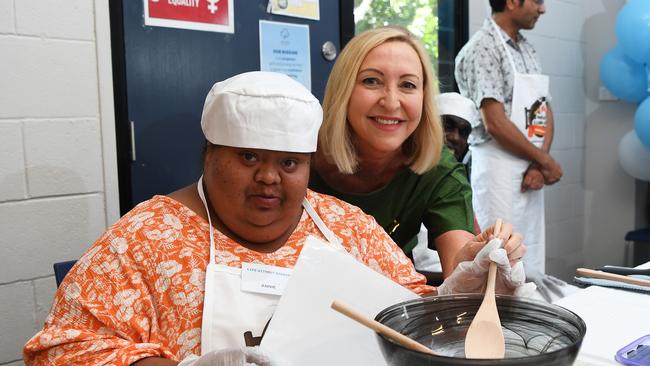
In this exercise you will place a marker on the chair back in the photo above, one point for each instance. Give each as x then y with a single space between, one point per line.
61 269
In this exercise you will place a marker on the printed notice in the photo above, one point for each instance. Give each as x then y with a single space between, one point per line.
309 9
284 48
264 279
203 15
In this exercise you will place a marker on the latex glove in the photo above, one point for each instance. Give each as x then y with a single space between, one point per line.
471 276
514 245
549 287
230 357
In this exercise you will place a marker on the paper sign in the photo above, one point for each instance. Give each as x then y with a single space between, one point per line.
264 279
309 9
204 15
304 329
284 48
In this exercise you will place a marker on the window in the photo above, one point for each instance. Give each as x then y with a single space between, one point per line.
441 24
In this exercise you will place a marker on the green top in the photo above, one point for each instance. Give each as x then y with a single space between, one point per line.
440 198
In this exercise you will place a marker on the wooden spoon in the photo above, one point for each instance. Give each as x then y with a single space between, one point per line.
484 337
394 335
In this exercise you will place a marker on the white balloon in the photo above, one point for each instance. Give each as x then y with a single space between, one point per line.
634 157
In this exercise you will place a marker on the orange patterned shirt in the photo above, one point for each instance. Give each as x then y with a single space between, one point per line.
138 291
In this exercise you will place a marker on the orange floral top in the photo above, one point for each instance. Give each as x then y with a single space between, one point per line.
138 291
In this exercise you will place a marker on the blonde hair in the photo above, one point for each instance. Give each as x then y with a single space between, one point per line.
423 148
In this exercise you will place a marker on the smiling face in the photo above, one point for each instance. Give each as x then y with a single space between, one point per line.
386 102
256 194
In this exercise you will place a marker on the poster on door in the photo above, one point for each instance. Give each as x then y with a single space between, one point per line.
308 9
203 15
284 48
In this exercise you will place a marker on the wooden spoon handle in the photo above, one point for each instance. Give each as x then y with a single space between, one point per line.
497 227
380 328
612 277
492 276
492 272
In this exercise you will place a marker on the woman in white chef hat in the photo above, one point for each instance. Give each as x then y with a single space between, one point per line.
174 278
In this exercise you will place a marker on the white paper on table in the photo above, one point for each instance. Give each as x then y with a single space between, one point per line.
614 318
304 329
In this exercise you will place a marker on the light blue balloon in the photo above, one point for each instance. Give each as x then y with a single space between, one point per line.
633 30
634 157
642 123
624 77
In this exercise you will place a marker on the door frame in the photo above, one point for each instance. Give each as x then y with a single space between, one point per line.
122 125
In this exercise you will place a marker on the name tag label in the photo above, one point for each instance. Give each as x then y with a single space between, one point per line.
264 279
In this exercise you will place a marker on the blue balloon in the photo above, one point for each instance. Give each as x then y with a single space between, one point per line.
633 30
642 123
623 77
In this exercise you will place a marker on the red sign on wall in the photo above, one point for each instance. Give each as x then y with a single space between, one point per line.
206 15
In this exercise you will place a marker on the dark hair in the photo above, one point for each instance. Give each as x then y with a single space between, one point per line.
207 145
498 5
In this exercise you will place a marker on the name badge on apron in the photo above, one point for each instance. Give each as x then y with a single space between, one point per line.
264 279
238 302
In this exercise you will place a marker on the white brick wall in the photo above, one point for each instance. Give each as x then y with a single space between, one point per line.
48 78
63 156
57 152
70 19
12 161
559 41
15 319
39 232
7 24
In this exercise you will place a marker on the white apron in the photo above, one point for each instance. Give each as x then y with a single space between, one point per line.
222 327
496 174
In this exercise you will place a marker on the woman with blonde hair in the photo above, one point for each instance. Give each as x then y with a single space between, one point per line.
381 147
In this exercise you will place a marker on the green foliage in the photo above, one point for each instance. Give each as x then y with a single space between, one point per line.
418 16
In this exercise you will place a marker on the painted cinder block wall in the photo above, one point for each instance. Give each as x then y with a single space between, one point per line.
58 173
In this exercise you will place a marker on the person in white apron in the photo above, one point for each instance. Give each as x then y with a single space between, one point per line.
252 116
511 164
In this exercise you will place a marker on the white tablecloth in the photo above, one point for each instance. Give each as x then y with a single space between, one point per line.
614 318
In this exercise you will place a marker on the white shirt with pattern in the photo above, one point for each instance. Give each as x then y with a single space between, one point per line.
483 71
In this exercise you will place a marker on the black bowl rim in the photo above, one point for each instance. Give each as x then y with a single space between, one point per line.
581 323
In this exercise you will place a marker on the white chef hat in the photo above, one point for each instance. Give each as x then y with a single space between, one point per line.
262 110
457 105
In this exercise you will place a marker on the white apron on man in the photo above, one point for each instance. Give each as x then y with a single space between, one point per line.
497 174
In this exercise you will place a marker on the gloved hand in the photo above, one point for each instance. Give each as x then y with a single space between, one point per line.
230 357
471 276
549 287
513 244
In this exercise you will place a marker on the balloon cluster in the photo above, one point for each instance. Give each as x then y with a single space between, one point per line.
625 71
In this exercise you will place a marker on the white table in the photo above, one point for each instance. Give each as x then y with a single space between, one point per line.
614 318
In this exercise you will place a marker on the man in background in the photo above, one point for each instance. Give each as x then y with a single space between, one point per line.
498 69
458 115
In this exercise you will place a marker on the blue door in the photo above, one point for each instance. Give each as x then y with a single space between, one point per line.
162 76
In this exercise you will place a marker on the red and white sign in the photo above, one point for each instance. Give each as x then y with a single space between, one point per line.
204 15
